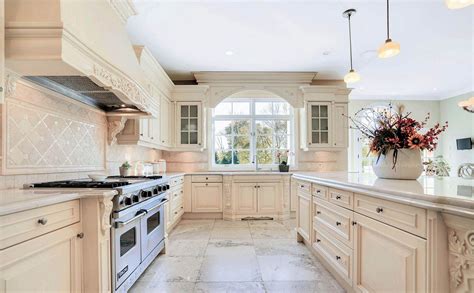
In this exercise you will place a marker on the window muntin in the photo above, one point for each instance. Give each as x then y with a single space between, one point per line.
247 127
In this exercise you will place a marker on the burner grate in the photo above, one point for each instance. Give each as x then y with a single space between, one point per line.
80 184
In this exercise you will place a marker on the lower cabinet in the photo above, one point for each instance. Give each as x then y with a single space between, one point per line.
257 199
246 197
206 197
267 195
49 263
387 259
304 215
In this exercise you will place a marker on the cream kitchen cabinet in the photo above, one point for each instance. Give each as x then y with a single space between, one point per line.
206 197
143 131
303 214
245 197
174 208
166 125
257 198
189 121
267 197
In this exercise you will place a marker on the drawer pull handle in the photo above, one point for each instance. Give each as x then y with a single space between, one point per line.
379 210
318 240
80 235
302 186
318 191
318 212
338 223
338 197
43 221
338 257
354 223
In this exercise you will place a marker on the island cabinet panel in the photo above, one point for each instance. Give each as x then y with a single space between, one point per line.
246 197
206 197
49 263
408 218
387 259
268 197
304 215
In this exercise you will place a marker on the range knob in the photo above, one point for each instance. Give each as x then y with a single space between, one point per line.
136 198
149 193
128 201
167 187
155 190
160 188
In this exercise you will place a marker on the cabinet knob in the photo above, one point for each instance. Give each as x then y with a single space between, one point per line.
206 184
302 186
141 134
318 240
338 257
207 178
379 210
354 223
43 221
199 143
318 212
338 197
80 235
318 191
338 223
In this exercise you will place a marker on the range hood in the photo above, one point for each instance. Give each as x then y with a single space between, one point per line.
79 49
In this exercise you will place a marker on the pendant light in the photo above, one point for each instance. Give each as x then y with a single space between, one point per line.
352 76
457 4
389 48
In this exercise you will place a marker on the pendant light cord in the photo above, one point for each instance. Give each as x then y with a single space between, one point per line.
350 40
388 20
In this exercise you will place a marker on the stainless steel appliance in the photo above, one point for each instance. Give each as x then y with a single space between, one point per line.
137 218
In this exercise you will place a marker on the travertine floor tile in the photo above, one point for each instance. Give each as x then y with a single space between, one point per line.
236 268
231 233
186 247
174 269
229 287
288 268
230 247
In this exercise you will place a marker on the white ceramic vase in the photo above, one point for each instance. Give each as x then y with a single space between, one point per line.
408 165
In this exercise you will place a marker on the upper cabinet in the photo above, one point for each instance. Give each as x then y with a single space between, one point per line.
323 120
189 124
166 125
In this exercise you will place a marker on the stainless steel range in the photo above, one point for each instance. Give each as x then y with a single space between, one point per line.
137 218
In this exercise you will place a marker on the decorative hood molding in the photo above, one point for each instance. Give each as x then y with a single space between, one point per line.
52 40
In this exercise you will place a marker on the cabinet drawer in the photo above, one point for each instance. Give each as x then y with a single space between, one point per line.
339 256
408 218
175 181
341 198
19 227
336 220
206 178
304 187
320 191
177 212
176 198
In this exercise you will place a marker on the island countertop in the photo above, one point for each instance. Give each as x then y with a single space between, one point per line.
450 194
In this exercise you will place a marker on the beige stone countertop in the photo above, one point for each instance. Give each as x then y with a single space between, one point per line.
451 194
173 174
17 200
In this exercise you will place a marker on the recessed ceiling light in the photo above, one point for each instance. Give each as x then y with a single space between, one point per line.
229 53
435 89
325 53
123 105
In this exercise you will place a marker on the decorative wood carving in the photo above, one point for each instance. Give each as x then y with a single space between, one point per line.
115 126
11 79
105 210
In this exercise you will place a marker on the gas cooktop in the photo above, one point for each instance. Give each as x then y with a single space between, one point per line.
86 183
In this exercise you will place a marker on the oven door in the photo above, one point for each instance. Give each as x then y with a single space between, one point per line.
127 246
152 228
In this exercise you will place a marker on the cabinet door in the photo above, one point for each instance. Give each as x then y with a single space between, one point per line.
49 263
319 124
189 124
245 197
164 121
387 259
268 197
206 197
145 129
304 215
340 129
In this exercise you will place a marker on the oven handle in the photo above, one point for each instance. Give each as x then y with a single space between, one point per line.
140 214
162 202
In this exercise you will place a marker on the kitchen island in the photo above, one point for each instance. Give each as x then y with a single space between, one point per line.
389 235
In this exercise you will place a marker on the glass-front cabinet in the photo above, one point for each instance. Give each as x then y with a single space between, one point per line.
319 124
189 121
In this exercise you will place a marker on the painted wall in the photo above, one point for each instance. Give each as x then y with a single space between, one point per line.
50 137
461 125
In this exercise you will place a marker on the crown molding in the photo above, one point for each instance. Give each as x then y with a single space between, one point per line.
124 9
262 77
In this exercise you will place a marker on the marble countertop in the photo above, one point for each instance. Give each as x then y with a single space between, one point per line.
17 200
445 193
227 173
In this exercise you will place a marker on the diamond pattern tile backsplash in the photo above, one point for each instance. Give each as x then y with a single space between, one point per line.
45 133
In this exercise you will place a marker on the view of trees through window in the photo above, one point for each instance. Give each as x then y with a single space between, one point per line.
244 129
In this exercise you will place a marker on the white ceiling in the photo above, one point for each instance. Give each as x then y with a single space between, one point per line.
436 59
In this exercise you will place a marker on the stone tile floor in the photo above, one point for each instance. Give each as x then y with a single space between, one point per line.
243 256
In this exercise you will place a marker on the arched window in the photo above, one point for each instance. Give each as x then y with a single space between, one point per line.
247 131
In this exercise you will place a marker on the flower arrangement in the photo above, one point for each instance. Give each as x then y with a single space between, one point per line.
283 157
392 130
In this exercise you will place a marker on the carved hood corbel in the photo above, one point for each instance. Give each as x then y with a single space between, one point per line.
115 126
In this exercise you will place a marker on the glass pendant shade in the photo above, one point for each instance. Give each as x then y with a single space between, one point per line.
389 49
457 4
352 76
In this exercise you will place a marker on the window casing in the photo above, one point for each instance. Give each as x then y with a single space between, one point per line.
243 130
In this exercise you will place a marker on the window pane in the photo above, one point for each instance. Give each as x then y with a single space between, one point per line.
324 111
193 138
241 157
241 127
281 142
281 108
193 125
264 142
315 124
184 111
222 127
264 127
241 108
324 137
184 124
184 138
265 156
314 111
263 108
223 109
193 111
324 124
223 142
315 137
281 126
223 157
241 142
